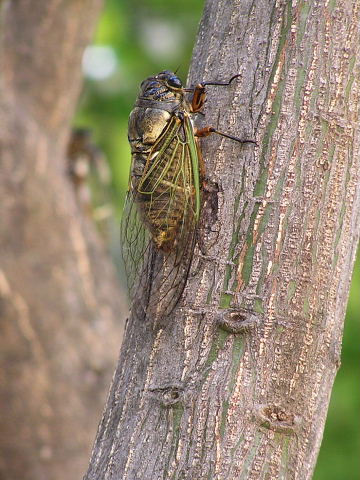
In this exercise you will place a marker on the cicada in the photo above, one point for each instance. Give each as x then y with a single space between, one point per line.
163 204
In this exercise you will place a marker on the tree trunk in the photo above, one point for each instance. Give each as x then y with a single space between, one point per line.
60 303
236 384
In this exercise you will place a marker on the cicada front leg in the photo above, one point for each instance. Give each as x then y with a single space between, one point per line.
199 94
198 99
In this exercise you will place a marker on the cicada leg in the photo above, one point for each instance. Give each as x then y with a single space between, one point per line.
206 131
199 95
198 99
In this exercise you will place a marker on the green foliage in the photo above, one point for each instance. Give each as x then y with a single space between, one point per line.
148 36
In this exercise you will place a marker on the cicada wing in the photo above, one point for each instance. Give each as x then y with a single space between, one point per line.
175 273
178 204
135 243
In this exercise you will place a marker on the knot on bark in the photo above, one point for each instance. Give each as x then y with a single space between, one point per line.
167 395
277 418
237 321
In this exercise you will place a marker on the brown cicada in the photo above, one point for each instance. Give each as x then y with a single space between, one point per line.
163 203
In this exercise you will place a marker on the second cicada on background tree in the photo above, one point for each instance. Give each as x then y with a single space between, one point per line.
163 203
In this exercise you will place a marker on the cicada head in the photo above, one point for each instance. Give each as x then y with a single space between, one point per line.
163 87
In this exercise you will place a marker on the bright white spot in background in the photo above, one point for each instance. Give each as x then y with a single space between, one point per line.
99 62
161 39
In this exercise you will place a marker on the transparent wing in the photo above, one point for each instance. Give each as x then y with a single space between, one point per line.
160 219
135 241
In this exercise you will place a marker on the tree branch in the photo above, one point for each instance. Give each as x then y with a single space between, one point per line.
236 383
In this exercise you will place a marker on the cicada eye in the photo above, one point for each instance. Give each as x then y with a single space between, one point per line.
174 82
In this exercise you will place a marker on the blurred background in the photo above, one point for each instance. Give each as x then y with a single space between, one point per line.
137 38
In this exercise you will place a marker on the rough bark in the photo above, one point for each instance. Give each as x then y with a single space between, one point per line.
236 384
61 308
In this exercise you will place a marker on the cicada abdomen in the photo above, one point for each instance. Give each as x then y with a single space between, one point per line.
162 208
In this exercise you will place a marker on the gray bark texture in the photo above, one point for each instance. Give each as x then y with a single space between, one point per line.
236 383
60 304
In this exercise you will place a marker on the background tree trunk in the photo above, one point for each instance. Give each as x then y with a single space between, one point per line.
236 384
60 304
